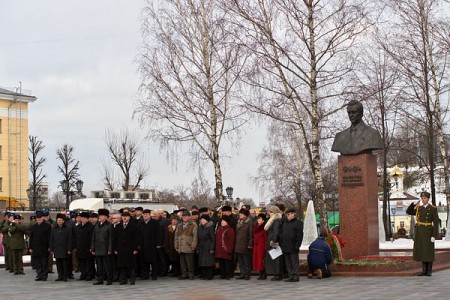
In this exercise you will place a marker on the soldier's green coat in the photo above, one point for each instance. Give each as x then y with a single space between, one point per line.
423 247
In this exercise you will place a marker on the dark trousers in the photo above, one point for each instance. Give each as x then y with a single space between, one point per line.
104 268
115 268
50 264
17 258
86 267
128 273
146 266
226 268
162 266
187 264
41 264
62 266
7 259
245 264
175 268
207 272
292 264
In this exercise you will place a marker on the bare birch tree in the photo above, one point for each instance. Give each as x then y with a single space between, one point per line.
414 41
36 163
190 71
126 155
69 169
301 60
378 84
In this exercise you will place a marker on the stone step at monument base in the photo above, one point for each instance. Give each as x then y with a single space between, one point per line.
404 266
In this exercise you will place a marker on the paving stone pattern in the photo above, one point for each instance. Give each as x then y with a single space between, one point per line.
24 287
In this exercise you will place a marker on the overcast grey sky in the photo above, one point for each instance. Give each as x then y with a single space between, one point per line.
76 57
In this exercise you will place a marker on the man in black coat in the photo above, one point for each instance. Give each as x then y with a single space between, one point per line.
61 246
126 248
150 239
291 240
102 247
40 246
83 237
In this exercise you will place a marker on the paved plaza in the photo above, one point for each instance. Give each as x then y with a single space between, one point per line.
24 287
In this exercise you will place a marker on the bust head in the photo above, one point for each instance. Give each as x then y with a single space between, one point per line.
355 111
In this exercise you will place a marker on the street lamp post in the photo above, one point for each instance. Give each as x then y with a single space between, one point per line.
229 191
65 186
393 211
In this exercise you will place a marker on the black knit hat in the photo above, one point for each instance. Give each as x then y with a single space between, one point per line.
227 208
206 217
244 211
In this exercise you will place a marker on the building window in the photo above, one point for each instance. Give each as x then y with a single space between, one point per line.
1 184
0 125
129 195
1 151
115 195
144 196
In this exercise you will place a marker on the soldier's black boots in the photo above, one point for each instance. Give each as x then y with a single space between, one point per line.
429 269
424 269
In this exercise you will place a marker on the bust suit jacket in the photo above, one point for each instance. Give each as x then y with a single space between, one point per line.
365 139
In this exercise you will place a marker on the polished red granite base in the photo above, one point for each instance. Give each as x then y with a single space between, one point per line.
358 205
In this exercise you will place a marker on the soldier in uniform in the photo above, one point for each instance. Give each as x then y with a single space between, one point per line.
16 233
9 217
426 231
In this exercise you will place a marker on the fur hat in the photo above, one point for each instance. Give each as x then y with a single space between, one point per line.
174 217
262 216
186 213
203 209
125 214
195 213
291 210
39 214
17 217
84 214
103 212
139 208
227 208
94 215
206 217
226 219
146 211
61 216
244 211
274 209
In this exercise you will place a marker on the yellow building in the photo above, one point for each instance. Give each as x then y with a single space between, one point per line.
14 147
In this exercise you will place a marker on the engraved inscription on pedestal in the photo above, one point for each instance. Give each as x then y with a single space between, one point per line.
352 177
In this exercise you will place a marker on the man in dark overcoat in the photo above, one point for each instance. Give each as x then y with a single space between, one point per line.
150 239
425 233
291 240
83 237
61 246
126 238
102 247
40 234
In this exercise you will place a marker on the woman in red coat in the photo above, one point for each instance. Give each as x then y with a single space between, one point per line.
225 248
259 246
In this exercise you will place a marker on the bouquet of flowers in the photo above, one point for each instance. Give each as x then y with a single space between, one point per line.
336 244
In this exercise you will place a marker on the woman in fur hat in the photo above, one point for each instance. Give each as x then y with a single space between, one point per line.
259 246
273 230
225 248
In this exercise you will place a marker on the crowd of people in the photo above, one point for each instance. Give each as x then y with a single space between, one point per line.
141 244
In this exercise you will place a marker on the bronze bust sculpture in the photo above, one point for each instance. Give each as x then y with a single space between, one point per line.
359 137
